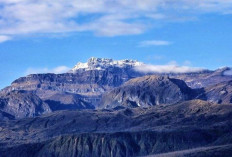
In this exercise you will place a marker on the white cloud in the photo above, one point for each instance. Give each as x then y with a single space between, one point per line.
4 38
187 63
172 67
154 43
103 17
56 70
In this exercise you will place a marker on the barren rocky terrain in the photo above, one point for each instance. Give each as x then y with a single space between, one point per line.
107 108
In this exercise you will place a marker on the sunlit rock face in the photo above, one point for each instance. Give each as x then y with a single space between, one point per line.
149 91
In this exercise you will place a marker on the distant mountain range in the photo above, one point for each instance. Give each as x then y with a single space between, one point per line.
83 87
97 101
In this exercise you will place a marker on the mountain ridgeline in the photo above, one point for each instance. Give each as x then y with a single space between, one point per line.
149 91
110 108
102 83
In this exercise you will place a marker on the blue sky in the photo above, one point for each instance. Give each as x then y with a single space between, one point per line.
48 36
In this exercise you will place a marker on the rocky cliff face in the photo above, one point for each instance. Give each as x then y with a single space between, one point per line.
22 104
84 85
67 101
205 78
149 91
220 93
89 80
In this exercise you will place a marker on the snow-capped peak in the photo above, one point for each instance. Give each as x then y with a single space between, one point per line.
104 63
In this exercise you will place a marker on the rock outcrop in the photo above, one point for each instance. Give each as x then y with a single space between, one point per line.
220 93
21 104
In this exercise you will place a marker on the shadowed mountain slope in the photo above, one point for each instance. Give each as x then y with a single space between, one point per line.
220 93
213 151
124 132
23 104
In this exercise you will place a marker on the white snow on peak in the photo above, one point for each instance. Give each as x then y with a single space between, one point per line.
103 63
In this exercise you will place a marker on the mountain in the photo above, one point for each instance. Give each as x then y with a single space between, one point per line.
89 79
109 108
205 78
149 91
220 93
122 132
21 104
83 86
157 89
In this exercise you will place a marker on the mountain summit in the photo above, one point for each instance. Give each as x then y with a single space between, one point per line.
101 83
103 64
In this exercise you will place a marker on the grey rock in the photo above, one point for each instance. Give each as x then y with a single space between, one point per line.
21 104
123 132
205 78
67 101
5 116
210 151
220 93
149 91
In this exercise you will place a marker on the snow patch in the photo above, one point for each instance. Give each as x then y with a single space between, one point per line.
103 63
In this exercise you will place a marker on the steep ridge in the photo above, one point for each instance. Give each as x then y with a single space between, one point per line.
205 78
89 80
149 91
124 132
23 104
220 93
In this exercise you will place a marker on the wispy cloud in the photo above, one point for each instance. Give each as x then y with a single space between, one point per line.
4 38
102 17
171 67
154 43
56 70
154 57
